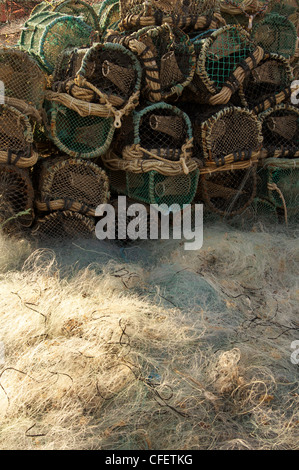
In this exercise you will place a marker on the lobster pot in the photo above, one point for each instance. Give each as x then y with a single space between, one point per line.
79 136
77 8
228 192
268 84
24 82
106 74
16 138
230 135
64 225
16 197
276 33
282 189
188 16
155 188
46 34
280 127
224 59
109 15
244 13
168 59
71 184
160 132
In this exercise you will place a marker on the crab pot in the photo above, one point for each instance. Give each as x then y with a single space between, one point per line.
63 225
160 129
280 127
46 34
16 138
155 188
77 8
22 77
228 192
188 16
108 73
78 136
16 197
269 81
276 33
73 184
231 134
224 59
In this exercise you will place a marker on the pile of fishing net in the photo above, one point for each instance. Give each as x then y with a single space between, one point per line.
180 102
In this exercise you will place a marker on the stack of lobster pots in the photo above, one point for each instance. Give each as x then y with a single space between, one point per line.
166 102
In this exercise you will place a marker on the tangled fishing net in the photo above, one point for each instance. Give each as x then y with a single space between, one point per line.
46 34
71 184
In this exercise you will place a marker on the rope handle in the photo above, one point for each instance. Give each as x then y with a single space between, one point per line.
274 187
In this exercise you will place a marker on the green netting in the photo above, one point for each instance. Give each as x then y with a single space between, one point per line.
280 185
154 188
109 14
187 15
219 57
47 34
270 80
22 78
77 136
71 8
244 12
159 129
280 127
276 33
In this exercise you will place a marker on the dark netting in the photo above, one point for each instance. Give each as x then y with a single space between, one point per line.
224 60
79 136
227 135
46 34
64 225
72 8
16 138
71 184
268 84
279 186
244 12
16 197
228 192
187 15
24 82
276 33
155 188
280 127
